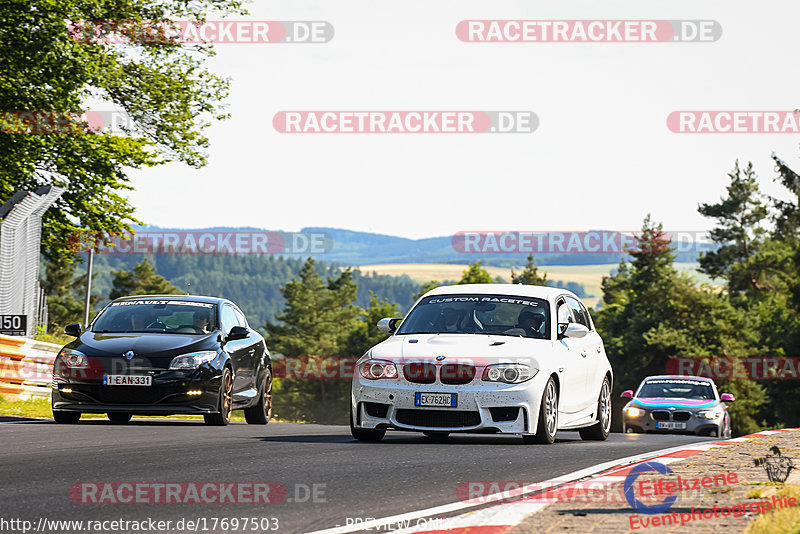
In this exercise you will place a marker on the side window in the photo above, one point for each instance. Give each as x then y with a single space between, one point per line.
579 312
563 314
241 321
229 319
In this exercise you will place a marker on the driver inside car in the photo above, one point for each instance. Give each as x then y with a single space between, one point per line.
450 319
531 322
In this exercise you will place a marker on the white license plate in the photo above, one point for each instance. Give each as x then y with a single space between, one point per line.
447 400
127 380
670 425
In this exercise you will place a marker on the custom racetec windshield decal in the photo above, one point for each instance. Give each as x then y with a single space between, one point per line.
447 299
157 302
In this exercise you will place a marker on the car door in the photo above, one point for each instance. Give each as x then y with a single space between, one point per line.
590 349
253 353
569 364
595 370
236 348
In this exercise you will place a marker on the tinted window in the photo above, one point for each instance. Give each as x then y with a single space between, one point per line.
579 312
241 321
229 319
479 314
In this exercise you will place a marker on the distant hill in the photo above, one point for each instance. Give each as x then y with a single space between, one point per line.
349 247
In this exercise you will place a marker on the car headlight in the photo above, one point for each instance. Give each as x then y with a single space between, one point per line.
74 359
377 369
192 360
510 373
634 412
709 414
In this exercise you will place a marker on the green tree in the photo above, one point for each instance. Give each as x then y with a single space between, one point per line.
161 84
787 216
142 280
476 274
652 313
59 286
529 275
317 323
427 286
738 231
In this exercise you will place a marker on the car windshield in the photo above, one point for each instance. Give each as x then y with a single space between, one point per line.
157 316
504 315
677 389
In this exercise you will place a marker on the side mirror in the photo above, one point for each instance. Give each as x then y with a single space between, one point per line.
628 394
727 397
237 332
388 325
575 330
74 330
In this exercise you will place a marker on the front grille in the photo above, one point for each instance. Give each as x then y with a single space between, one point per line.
661 415
681 416
376 409
504 414
127 394
420 373
438 418
456 373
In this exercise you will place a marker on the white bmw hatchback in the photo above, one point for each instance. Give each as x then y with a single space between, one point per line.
494 358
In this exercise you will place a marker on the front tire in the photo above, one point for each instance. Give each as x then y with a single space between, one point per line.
225 402
365 434
600 431
66 418
548 417
119 418
261 413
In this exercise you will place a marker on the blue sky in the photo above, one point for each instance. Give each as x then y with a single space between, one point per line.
602 156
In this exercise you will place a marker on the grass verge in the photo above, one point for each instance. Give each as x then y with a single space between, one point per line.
783 521
40 409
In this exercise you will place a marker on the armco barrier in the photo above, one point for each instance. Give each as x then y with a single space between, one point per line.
26 367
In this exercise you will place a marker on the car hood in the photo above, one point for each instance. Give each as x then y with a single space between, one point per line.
464 348
666 402
98 344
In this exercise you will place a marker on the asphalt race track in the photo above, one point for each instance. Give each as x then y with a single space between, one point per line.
40 461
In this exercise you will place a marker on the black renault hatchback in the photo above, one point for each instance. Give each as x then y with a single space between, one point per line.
162 355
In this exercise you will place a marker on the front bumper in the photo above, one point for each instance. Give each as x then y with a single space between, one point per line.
694 426
167 395
481 406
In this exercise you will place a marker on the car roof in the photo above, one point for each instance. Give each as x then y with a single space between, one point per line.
520 290
679 377
187 298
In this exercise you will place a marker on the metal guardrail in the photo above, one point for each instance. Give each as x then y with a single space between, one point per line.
26 367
